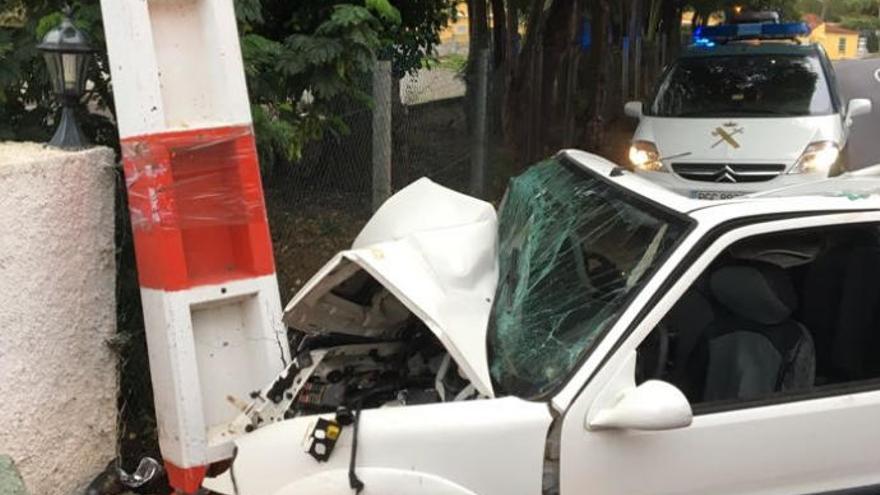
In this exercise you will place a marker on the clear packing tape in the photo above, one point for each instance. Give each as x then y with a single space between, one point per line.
190 179
196 205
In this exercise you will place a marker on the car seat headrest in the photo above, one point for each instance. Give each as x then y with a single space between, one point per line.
693 312
759 292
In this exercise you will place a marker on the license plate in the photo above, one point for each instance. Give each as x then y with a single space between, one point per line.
716 195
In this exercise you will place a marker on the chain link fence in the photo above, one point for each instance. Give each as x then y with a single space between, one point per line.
317 205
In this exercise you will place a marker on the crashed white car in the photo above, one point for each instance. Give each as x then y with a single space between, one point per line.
603 335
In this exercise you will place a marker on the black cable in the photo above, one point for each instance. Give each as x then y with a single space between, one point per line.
353 481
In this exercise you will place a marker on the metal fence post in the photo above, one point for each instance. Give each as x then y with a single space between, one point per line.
624 76
637 68
480 127
381 132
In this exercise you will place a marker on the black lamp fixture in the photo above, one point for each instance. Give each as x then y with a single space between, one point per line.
67 51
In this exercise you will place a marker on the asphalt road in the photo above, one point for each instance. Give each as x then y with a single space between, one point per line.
861 79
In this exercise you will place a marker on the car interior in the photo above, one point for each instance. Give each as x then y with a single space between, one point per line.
778 314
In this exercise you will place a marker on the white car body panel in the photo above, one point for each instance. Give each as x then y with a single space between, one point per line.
434 250
493 446
820 196
725 452
381 481
634 182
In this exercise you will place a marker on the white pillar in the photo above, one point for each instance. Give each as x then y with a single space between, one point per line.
57 310
212 313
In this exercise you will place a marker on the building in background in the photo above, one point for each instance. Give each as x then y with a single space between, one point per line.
687 19
839 42
454 38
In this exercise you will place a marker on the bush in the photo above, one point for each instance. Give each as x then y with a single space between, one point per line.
301 60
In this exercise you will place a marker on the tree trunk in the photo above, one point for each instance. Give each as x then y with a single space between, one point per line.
499 34
672 28
520 95
557 41
571 77
478 27
634 33
596 121
500 74
401 161
510 67
513 41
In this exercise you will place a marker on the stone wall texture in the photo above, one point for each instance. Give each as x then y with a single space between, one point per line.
57 311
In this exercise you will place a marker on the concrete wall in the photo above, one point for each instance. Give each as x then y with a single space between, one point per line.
57 309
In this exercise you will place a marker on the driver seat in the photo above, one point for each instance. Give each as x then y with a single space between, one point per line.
755 348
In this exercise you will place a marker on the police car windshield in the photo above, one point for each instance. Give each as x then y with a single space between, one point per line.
744 85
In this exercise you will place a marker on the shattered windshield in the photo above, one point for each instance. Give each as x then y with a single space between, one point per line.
572 250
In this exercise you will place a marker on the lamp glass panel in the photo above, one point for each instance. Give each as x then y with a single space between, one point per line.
71 69
56 76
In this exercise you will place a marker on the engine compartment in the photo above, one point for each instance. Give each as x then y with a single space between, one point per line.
412 368
355 346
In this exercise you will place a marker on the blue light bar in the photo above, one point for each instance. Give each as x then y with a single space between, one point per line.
708 35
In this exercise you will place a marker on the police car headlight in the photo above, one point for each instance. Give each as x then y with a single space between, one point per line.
644 156
818 157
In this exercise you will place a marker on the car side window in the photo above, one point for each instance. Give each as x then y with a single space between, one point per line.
774 317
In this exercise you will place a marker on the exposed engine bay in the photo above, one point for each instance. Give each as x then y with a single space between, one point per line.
339 367
413 369
398 320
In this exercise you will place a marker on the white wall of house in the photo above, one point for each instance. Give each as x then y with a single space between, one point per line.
57 310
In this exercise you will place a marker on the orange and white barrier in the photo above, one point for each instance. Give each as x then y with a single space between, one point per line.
209 293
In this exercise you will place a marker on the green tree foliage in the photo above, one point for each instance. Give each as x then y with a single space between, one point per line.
296 79
850 11
418 33
859 15
303 61
866 8
27 106
789 9
308 60
861 23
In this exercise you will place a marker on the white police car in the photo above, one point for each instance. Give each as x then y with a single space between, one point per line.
746 108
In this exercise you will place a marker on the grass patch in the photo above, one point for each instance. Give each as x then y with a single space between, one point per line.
455 62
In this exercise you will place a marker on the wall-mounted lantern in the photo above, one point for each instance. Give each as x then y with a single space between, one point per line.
67 51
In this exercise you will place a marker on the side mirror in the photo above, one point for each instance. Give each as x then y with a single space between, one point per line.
856 107
653 405
633 109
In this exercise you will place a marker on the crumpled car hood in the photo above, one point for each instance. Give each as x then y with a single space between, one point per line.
434 250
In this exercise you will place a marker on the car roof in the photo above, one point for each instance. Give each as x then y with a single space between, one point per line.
750 47
856 191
